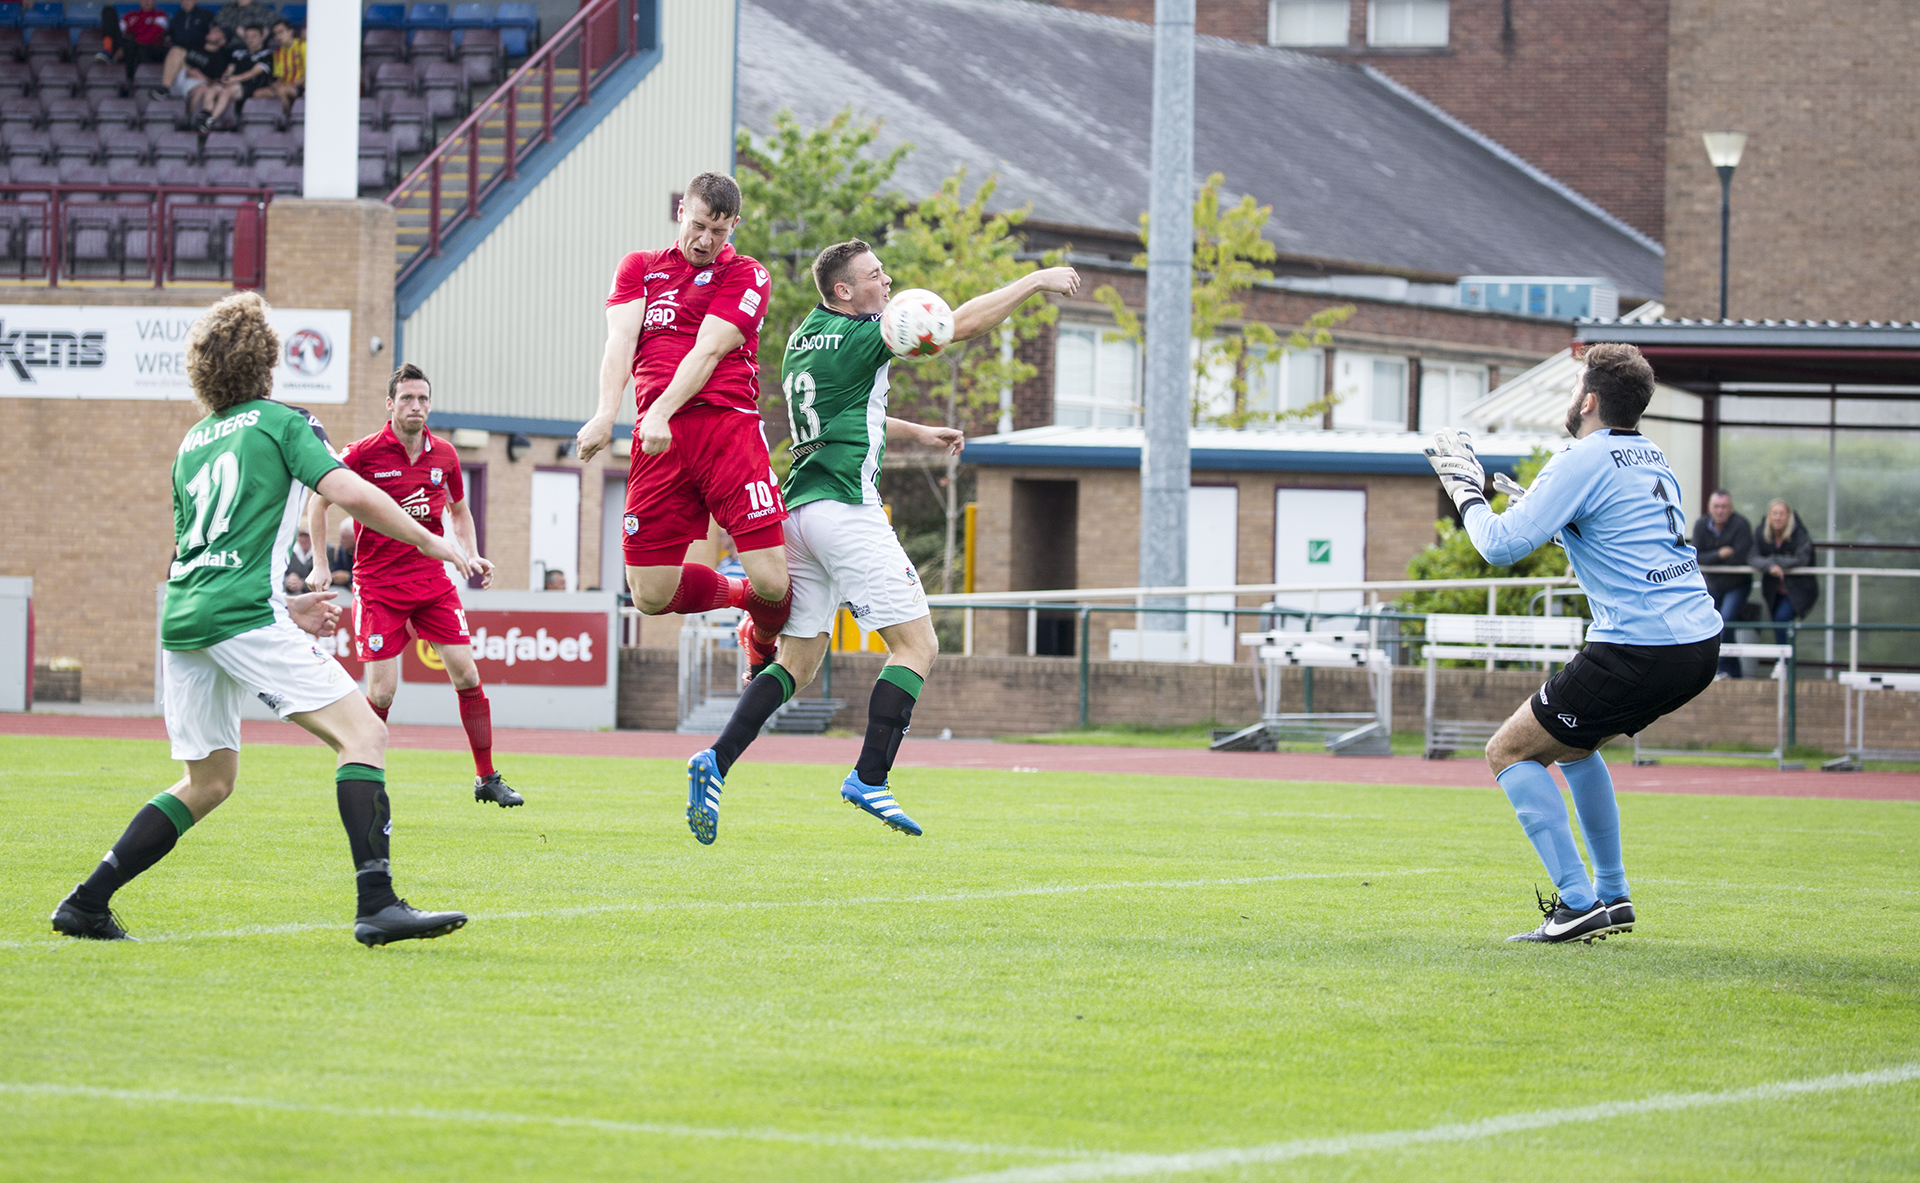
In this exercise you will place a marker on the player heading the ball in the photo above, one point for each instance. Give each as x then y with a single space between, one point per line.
398 593
1611 499
840 547
684 322
229 631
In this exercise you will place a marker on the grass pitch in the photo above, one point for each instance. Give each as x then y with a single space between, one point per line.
1070 977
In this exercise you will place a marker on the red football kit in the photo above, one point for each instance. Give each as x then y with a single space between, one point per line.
396 589
718 465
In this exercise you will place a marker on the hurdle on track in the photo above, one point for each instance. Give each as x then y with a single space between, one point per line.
1534 639
1854 721
1783 675
1345 733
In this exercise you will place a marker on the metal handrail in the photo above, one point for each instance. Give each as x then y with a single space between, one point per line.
578 31
163 200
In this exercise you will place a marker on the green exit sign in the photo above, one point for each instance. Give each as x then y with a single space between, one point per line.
1319 550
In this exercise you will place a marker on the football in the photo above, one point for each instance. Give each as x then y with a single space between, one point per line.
917 323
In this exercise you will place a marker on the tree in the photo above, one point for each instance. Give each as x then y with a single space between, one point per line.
1453 557
950 244
802 190
1226 245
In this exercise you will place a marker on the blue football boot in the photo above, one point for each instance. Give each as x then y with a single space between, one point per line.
703 796
877 800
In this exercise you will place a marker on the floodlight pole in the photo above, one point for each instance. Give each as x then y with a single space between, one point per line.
1165 469
1726 213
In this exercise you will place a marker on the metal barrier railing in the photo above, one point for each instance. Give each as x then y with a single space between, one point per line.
133 233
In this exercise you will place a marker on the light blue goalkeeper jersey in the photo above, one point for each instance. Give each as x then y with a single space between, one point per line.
1615 503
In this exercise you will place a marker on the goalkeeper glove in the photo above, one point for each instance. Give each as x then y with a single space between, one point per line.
1459 470
1502 483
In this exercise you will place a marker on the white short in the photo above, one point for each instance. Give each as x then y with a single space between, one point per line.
184 84
848 554
278 663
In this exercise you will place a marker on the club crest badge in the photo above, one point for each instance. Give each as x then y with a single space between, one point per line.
374 642
705 277
631 524
436 474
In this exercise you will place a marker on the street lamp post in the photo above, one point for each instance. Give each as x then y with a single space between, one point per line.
1723 150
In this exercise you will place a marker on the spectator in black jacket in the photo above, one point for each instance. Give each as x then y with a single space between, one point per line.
1725 539
188 33
1782 549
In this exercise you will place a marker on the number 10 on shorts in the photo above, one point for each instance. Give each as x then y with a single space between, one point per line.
759 495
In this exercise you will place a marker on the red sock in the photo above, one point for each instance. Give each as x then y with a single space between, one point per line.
769 616
702 589
738 590
380 710
477 717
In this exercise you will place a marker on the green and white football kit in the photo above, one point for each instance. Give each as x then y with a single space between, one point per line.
840 547
239 481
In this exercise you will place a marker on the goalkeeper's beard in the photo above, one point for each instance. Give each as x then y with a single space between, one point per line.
1573 420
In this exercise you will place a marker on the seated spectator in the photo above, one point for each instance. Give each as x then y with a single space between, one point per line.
207 102
1781 548
244 14
556 581
187 33
300 558
199 70
289 64
340 558
140 36
1724 539
252 66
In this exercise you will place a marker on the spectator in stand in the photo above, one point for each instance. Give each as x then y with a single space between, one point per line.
245 14
1781 549
1725 539
140 36
208 103
199 69
555 581
289 65
340 558
252 65
300 558
188 33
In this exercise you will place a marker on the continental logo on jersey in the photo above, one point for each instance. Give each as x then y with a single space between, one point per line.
27 350
1668 574
417 504
200 437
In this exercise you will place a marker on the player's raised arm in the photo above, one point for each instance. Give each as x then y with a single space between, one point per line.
983 313
623 334
374 509
1530 521
718 337
950 438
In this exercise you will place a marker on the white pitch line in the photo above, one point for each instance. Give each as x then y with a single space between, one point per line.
947 897
1133 1165
488 1117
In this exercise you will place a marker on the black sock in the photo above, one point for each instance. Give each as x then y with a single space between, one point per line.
147 839
362 793
764 696
889 712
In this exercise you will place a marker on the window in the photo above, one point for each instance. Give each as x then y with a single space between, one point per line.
1446 391
1287 383
1407 22
1307 22
1096 378
1372 390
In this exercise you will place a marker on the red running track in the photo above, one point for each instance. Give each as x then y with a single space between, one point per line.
1756 781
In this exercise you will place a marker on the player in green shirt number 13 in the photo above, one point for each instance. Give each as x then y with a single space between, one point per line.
840 547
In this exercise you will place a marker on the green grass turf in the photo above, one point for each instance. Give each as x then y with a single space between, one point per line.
813 977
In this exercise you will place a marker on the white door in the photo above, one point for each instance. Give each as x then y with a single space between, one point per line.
1320 536
613 510
1213 558
554 544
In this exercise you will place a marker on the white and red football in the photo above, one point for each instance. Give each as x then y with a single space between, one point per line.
917 323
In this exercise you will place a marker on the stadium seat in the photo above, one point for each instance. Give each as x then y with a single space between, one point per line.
519 25
76 145
48 42
15 78
228 175
102 80
378 161
430 43
56 79
444 86
370 118
263 111
470 16
225 147
480 57
68 115
297 118
384 16
296 14
164 115
382 45
427 16
21 111
268 145
88 41
13 46
408 119
148 76
30 173
122 145
75 171
175 148
27 146
182 174
394 77
45 16
123 172
81 14
284 179
229 120
114 111
10 15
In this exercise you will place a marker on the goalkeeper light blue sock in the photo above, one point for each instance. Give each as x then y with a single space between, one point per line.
1543 815
1599 814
